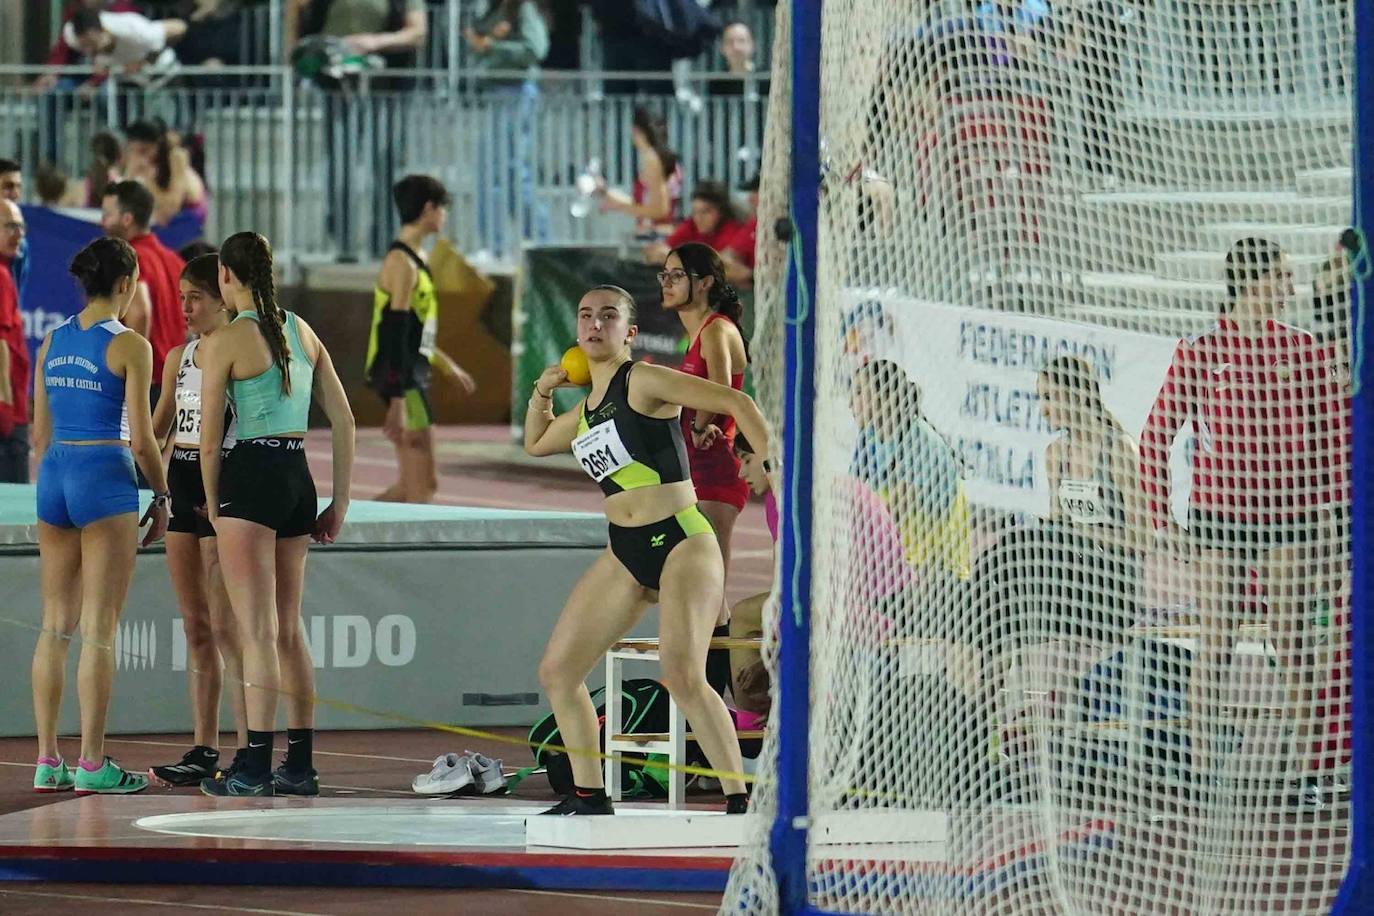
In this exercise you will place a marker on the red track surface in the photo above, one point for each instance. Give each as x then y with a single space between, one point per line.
478 467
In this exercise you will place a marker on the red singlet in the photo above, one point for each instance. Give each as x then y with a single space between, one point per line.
715 471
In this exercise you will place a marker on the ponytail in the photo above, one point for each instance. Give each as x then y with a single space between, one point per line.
701 260
249 256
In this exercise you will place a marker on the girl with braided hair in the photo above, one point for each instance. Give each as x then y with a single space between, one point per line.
693 285
267 363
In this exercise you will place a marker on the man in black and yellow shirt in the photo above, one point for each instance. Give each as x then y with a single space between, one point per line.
401 347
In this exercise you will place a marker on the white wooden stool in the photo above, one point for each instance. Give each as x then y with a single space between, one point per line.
674 743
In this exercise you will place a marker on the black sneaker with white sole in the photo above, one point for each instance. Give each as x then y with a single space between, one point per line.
575 804
198 763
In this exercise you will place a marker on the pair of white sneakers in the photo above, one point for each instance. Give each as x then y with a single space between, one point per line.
468 773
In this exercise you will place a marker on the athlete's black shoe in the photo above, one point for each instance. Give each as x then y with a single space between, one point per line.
240 756
237 783
196 764
737 804
582 804
293 782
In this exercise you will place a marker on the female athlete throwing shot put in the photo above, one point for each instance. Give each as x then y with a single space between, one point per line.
627 435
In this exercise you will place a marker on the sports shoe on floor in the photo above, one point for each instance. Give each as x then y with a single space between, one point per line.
296 782
49 778
237 783
110 779
574 804
451 773
486 773
196 764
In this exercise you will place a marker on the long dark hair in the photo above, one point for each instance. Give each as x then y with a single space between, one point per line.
155 132
1075 375
102 264
700 260
249 256
656 132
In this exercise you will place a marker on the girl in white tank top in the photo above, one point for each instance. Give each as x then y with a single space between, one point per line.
192 558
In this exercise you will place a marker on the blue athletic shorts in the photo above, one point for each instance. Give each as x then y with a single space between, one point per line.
81 484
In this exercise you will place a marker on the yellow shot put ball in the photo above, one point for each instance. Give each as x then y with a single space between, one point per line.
574 362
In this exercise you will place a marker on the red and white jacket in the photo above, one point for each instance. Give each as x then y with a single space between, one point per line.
1268 415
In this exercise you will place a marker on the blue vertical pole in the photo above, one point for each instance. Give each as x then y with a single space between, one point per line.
1357 892
787 841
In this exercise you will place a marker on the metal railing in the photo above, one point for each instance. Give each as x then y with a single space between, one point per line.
313 169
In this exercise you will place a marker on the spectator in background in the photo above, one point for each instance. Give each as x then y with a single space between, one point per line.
395 30
738 49
152 157
913 468
129 43
738 253
713 222
54 188
1267 415
749 680
12 189
11 180
657 195
1097 508
155 312
63 54
106 157
14 354
511 35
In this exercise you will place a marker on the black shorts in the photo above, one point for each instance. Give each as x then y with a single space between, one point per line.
268 481
644 549
1214 531
188 494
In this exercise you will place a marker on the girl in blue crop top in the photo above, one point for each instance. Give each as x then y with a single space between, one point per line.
91 423
261 501
627 435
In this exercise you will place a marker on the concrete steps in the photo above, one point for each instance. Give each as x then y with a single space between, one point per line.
1334 182
1299 240
1210 266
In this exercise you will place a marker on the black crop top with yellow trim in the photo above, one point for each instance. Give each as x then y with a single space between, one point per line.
622 449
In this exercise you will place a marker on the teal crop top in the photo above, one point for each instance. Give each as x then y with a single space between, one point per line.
259 405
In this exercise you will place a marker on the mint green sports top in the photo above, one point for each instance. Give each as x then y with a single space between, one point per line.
259 405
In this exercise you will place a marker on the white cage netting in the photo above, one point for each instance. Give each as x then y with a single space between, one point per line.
1080 554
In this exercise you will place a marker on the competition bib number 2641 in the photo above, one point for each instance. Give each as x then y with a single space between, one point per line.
601 452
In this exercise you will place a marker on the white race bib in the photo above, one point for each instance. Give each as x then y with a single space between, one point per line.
601 452
1081 501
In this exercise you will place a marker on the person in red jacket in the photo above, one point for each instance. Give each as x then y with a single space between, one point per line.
125 213
1266 417
14 355
713 222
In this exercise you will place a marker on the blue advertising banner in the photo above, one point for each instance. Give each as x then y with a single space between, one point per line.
50 295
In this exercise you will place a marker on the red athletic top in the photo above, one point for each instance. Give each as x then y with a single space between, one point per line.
715 471
160 268
12 338
1267 416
